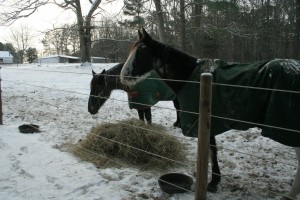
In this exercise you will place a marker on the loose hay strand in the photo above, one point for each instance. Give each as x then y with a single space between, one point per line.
132 144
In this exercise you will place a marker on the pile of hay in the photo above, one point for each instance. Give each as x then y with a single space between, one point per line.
128 142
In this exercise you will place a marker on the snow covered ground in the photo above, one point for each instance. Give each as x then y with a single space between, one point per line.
34 167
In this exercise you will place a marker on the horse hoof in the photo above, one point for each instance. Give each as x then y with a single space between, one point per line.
212 188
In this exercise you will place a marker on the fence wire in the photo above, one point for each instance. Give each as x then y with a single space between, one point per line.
159 107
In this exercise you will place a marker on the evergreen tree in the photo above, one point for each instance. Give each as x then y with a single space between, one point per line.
135 9
31 54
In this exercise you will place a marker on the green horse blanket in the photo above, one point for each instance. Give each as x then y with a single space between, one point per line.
148 92
272 107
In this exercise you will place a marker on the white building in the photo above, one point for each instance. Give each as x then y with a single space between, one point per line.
99 60
6 57
68 59
58 59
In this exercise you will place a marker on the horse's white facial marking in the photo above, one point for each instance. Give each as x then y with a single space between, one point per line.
127 68
126 71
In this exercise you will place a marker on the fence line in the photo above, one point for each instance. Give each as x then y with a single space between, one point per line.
99 97
132 146
162 157
256 88
214 116
148 129
204 129
176 136
153 130
171 80
104 98
256 124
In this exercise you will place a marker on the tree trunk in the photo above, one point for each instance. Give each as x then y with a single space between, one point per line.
84 57
84 30
296 51
268 49
196 24
182 27
160 19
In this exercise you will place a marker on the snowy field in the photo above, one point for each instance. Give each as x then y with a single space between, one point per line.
55 97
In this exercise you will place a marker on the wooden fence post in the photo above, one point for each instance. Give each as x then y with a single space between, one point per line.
1 114
203 135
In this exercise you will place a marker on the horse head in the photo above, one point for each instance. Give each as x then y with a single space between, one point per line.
141 60
148 54
99 92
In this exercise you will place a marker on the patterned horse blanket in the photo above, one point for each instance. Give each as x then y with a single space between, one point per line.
253 103
148 92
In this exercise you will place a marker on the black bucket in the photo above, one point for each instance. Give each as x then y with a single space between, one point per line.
175 183
29 128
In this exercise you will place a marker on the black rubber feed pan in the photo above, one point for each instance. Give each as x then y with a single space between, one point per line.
29 128
175 183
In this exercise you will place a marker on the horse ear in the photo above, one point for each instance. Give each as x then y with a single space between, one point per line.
94 73
140 35
103 72
146 35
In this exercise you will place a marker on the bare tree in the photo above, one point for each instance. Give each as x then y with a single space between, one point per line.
12 10
21 38
84 24
61 38
24 8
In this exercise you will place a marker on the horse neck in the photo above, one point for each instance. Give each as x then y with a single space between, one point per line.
177 65
113 78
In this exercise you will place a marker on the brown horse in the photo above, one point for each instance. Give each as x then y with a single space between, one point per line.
270 108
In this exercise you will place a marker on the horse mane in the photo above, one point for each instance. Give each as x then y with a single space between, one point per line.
115 70
113 77
171 56
179 64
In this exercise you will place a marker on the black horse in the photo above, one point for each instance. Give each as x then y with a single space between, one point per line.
104 83
259 107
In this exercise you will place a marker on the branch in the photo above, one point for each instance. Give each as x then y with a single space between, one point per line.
12 11
66 4
94 6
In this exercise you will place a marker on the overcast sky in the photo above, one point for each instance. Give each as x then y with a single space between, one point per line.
49 16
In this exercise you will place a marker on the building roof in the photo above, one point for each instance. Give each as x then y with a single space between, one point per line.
5 54
61 56
99 58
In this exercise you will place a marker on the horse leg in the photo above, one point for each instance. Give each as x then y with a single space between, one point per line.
296 185
148 115
177 107
216 174
141 114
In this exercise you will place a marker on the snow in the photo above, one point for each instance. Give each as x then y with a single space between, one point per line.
55 96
